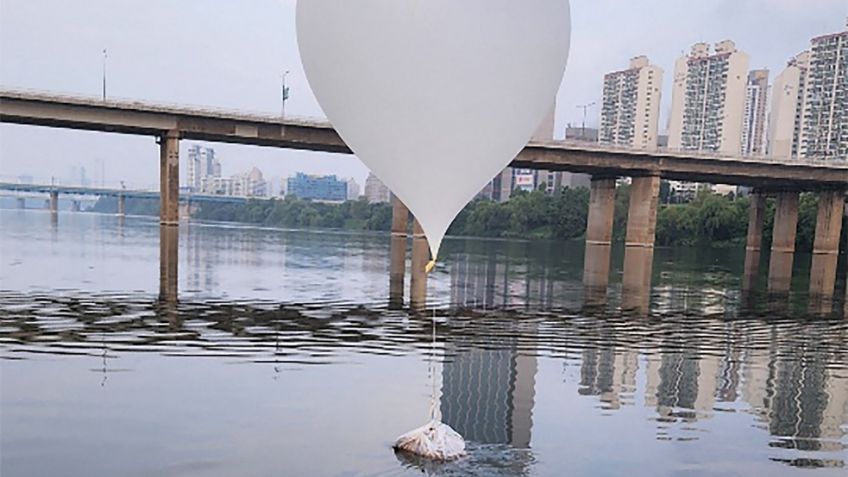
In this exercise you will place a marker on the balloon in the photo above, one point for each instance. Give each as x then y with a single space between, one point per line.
436 97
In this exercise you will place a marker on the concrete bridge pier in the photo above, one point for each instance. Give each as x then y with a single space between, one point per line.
826 247
783 243
169 178
21 203
169 242
756 222
596 263
639 247
122 205
169 215
54 202
76 206
397 265
420 257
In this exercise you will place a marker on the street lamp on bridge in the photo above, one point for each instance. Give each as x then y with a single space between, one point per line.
105 56
585 108
285 94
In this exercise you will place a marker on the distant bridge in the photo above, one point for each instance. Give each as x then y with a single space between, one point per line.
126 193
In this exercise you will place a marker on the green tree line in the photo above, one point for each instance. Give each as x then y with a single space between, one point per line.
710 219
109 205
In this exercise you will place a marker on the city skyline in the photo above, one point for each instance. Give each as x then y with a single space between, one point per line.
250 82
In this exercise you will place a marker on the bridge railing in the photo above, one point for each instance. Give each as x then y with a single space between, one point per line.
838 162
161 106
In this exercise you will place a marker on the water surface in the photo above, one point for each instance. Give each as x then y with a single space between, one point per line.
281 356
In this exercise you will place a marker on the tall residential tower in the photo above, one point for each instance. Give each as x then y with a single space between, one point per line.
825 129
631 106
202 164
756 108
708 99
787 108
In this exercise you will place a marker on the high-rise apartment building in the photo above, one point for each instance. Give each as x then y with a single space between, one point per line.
707 105
787 108
825 113
708 99
202 164
756 108
375 191
631 106
353 190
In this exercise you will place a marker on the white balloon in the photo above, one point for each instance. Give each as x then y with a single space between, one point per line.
436 97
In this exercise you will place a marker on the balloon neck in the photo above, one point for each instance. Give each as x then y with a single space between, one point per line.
430 266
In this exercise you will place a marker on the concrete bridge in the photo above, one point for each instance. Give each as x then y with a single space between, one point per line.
53 192
783 179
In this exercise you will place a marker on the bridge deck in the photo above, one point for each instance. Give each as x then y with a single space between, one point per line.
141 118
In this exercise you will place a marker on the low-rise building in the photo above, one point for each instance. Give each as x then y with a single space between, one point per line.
319 188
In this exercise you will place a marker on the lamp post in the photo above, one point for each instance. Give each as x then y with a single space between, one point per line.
285 94
104 73
585 108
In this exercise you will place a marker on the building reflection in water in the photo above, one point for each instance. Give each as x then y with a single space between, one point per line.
488 387
488 394
610 375
496 281
796 395
791 386
701 363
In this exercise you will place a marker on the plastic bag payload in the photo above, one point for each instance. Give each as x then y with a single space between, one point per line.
435 440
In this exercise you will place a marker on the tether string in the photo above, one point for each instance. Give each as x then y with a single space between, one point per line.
433 411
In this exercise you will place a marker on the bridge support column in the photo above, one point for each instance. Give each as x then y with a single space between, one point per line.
169 242
21 203
54 202
122 205
596 263
756 222
826 247
783 243
397 265
639 249
169 178
420 257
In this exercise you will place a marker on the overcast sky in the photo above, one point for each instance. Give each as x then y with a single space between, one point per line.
230 54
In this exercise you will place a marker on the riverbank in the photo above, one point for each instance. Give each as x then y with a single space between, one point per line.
710 219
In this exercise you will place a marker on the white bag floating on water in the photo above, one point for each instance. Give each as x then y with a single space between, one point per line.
435 440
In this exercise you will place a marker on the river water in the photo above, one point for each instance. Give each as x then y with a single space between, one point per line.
283 357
